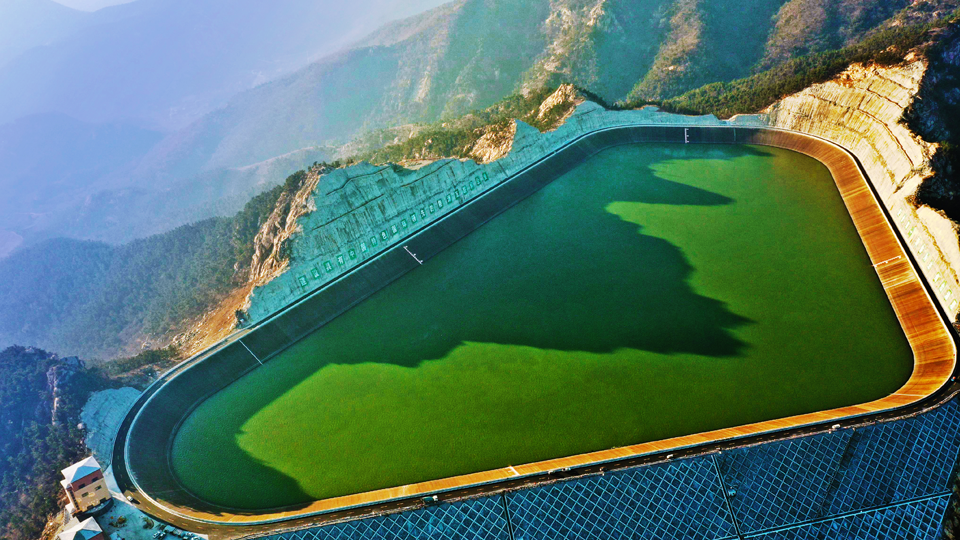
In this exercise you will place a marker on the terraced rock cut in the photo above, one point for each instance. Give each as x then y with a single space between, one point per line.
654 291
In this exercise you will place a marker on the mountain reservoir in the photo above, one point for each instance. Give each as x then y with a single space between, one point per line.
653 291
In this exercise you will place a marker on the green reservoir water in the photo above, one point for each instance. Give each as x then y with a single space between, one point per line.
655 291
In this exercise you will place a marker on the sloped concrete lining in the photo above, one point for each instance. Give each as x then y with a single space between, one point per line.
145 440
101 417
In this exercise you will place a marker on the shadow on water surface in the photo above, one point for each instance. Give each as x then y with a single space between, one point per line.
557 271
577 279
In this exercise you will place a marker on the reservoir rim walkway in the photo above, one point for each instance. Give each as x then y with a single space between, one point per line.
923 323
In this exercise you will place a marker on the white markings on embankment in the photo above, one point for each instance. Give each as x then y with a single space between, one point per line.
887 261
249 351
412 255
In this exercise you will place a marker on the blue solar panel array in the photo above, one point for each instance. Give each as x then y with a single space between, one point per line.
918 520
888 481
480 519
772 485
675 500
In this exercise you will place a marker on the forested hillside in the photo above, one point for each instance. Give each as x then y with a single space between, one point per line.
150 66
469 54
103 301
41 396
753 94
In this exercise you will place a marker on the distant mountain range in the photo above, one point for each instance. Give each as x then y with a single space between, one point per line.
150 66
468 54
116 182
41 187
25 24
165 63
458 57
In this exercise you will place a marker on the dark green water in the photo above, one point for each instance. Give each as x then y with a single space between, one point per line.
654 291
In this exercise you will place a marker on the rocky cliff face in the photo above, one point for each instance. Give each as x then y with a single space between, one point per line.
862 110
497 140
270 257
58 376
555 110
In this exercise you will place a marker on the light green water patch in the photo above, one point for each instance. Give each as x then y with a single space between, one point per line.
654 291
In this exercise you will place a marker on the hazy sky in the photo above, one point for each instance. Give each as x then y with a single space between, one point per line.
90 5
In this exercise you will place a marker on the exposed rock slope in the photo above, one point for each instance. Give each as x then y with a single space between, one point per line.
497 140
269 259
495 143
